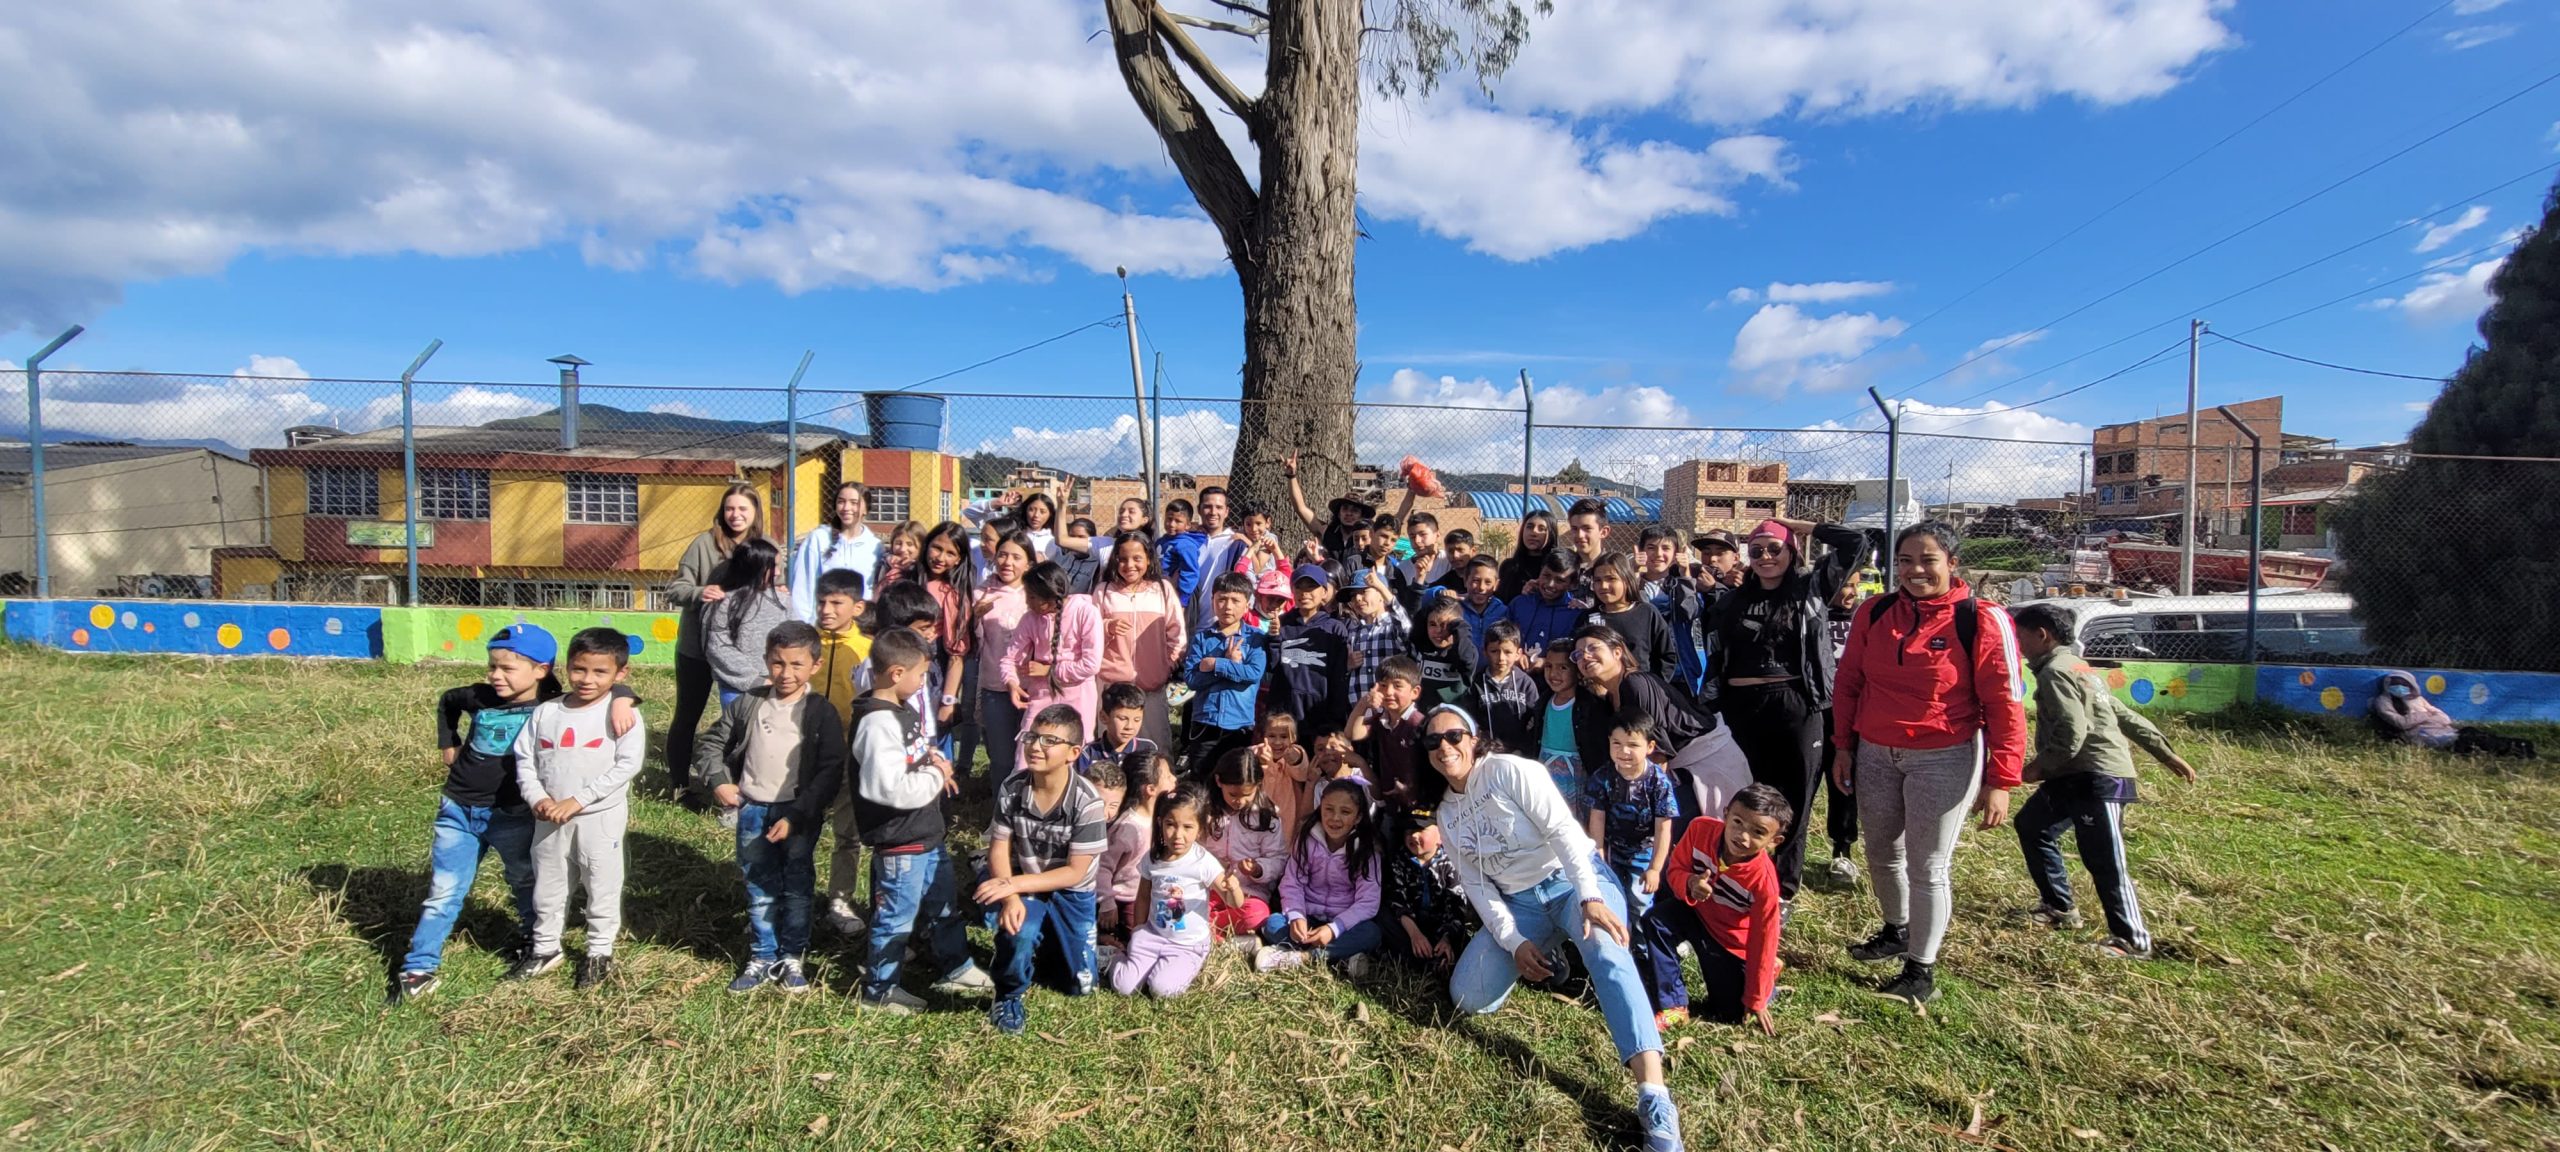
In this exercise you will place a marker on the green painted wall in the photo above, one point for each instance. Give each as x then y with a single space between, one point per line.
2179 687
413 635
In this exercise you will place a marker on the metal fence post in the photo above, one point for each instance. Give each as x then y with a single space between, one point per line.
35 458
1154 444
2257 531
409 463
1892 464
1528 438
791 455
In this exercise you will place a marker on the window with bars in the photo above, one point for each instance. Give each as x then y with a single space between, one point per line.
350 492
888 506
602 498
563 594
453 493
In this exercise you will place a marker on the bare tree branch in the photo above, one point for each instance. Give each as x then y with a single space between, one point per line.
1169 27
1248 32
1247 9
1207 165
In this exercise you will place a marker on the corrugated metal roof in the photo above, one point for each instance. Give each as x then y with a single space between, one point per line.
1652 506
1495 505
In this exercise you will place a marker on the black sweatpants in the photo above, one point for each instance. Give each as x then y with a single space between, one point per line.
1840 809
2086 805
694 683
1780 733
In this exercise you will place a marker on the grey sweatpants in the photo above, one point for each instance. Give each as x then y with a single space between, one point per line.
1912 803
587 849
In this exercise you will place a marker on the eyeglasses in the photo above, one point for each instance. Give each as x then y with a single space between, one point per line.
1450 738
1760 550
1042 741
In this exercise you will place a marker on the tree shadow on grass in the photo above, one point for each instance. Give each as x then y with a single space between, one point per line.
1607 1107
672 896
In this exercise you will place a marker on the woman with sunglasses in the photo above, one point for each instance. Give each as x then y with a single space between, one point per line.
1772 664
1535 878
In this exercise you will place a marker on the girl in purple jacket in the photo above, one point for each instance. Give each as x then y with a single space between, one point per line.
1329 895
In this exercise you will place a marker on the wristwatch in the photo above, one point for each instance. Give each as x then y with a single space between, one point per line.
948 698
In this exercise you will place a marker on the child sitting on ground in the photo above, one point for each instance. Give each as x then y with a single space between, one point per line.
580 787
1148 775
481 810
1431 917
899 782
1110 918
1725 908
1329 897
1244 833
2085 766
1047 834
1172 937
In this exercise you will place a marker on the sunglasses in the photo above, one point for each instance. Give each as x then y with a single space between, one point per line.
1760 550
1449 738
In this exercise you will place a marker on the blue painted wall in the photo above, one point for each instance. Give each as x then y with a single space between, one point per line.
197 627
2468 697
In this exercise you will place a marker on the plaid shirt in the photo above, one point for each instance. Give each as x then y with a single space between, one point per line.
1373 641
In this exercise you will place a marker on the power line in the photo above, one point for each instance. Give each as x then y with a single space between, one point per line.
2366 289
2324 363
2138 365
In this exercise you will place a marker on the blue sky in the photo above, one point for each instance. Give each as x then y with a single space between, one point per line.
1726 214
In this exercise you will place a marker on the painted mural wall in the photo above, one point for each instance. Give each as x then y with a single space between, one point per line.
199 627
2468 697
414 635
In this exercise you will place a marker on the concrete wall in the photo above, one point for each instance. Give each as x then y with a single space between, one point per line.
160 515
197 627
2468 697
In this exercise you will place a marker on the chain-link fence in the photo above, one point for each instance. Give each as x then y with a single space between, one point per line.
574 495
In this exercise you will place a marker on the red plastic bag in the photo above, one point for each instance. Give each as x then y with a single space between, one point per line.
1419 478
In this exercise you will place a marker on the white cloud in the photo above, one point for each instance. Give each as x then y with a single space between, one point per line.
1522 187
2476 7
2465 39
463 406
1742 296
1780 346
272 368
812 143
2442 297
1828 291
1991 357
1753 61
2442 234
2417 405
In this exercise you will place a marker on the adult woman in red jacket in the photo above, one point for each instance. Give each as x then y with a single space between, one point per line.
1927 712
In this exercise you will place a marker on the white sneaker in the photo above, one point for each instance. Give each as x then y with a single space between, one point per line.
845 921
1243 944
1278 959
899 1002
969 980
1106 957
1358 967
1844 875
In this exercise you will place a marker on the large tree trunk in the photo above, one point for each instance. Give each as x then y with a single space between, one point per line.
1291 241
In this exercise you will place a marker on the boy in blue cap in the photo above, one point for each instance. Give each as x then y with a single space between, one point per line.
481 810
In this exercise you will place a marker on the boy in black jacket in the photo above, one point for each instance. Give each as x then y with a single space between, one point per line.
775 759
898 782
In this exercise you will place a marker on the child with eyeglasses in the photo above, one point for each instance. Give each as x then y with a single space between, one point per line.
1047 833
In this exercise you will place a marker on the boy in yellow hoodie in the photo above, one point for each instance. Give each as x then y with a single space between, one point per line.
843 651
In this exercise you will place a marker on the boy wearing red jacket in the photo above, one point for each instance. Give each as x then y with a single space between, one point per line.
1727 909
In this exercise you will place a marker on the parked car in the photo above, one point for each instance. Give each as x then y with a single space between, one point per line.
2294 627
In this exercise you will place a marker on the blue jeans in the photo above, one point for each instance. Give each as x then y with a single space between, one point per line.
463 837
1066 918
1548 914
1358 940
908 889
1644 937
782 881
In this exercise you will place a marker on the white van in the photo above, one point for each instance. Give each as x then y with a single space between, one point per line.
2294 626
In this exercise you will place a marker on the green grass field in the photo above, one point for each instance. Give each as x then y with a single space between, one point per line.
205 865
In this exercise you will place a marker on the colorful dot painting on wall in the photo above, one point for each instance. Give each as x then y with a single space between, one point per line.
2468 697
199 627
2176 687
412 635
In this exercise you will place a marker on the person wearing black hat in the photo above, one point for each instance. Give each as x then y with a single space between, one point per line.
1333 529
1426 913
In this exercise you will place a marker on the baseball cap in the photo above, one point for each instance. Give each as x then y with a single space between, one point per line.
1312 574
1772 530
527 641
1717 539
1272 584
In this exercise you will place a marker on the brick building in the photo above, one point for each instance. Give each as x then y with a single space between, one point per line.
1731 495
2139 470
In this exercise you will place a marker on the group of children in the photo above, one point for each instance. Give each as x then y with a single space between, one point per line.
1286 820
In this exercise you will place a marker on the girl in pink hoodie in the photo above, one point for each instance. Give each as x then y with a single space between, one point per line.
1056 649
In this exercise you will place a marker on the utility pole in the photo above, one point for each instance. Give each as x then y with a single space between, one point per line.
2187 532
1137 381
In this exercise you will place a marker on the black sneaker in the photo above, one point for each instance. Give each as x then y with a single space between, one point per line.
1917 985
409 986
516 949
593 970
532 965
1889 943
